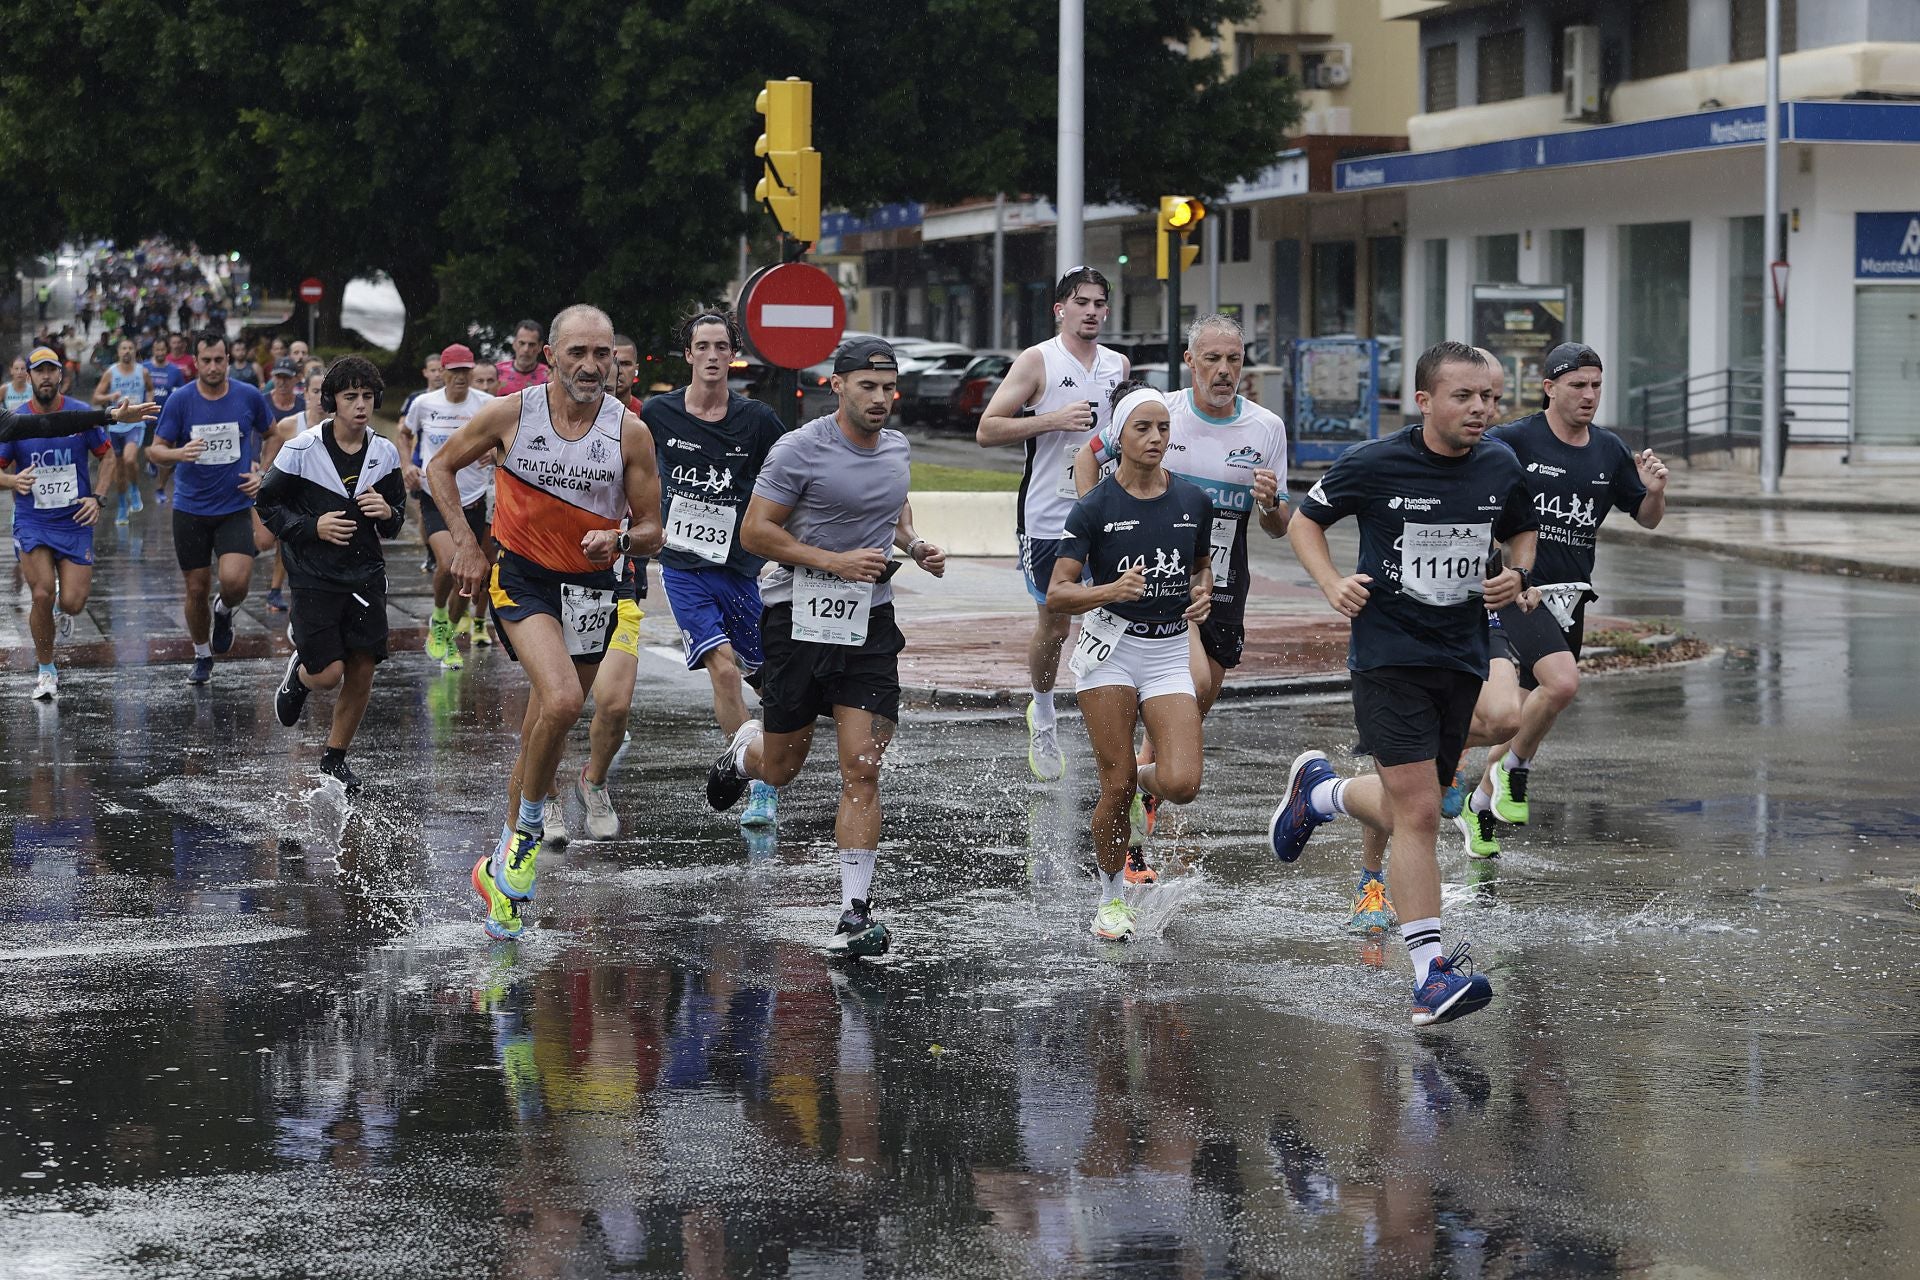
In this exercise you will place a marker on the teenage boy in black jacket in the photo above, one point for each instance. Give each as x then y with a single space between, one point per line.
334 491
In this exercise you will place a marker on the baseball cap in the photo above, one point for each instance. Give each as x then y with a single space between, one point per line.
457 356
864 353
43 355
285 365
1567 357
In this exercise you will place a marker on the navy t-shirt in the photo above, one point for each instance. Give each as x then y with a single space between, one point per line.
1168 537
1573 487
1426 527
714 462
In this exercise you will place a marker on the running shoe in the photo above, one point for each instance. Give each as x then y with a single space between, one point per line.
503 913
201 671
1114 920
763 805
1294 820
277 600
1454 799
512 865
439 638
222 631
1136 821
1149 812
291 697
1372 913
451 659
858 933
1510 794
725 782
1044 756
602 822
47 687
483 634
134 504
1137 871
1478 834
426 565
1452 990
342 772
554 820
121 513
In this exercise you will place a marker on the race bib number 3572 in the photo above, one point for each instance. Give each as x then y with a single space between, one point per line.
1443 564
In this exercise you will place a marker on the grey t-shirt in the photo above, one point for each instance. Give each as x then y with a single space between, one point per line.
843 497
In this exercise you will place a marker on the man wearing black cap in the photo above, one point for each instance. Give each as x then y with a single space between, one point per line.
1577 473
828 507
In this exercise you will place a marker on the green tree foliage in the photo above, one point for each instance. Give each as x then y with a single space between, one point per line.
501 158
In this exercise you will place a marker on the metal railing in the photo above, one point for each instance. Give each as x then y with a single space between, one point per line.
1720 409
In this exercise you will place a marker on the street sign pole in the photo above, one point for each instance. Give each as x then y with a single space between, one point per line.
1772 429
310 292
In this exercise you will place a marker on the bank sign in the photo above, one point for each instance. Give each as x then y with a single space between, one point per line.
1886 246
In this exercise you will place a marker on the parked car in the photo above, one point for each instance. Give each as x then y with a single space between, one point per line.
978 381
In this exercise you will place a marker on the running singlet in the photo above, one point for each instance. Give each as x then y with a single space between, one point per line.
131 387
17 398
1111 531
59 468
432 418
1573 487
1047 490
551 492
1219 455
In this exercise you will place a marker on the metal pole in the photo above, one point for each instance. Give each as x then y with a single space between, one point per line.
313 310
1213 263
997 330
1770 424
1174 241
743 241
1070 158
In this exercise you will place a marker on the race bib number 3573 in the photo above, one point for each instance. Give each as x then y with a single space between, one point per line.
223 443
1444 564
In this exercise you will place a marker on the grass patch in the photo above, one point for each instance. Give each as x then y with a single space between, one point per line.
931 477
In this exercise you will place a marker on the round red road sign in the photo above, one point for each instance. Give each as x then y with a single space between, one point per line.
793 314
311 290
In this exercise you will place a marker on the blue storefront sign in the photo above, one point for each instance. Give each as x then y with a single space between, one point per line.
1886 246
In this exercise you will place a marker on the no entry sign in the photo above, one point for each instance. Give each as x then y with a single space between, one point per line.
311 290
793 314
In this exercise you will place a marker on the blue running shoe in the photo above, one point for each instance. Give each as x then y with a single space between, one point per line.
763 806
1454 799
1295 819
202 671
222 630
1452 990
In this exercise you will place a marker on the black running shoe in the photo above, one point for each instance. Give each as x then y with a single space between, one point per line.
725 782
222 630
339 769
859 934
291 697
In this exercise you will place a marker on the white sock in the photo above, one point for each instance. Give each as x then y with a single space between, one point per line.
1111 886
1044 716
1512 761
1482 799
746 740
1329 799
220 605
856 875
203 650
1423 944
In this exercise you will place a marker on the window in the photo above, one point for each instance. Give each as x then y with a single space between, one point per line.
1502 71
1250 49
1443 77
1567 260
1748 21
1659 38
1333 288
1434 319
1496 259
1654 258
1387 298
1239 235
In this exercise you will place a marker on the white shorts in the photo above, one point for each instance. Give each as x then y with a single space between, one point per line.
1151 666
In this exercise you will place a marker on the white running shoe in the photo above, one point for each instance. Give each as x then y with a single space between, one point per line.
1114 920
1044 756
602 822
47 687
555 820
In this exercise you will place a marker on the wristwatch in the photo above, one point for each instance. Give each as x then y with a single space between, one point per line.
621 544
1526 577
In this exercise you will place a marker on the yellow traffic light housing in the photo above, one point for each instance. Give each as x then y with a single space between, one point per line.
790 181
1179 217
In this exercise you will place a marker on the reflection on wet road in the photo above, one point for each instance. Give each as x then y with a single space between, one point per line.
256 1034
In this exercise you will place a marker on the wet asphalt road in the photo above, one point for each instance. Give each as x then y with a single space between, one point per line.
255 1035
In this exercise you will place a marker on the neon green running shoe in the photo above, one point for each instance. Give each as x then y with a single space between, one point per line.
511 866
1114 920
439 638
1509 794
1477 834
503 913
1136 821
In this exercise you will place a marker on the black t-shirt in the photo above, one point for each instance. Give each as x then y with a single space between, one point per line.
1573 487
1168 537
713 462
1431 518
347 464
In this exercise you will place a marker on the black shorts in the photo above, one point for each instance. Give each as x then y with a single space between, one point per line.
802 681
1537 634
200 540
432 522
1409 714
1499 645
1223 641
519 589
329 625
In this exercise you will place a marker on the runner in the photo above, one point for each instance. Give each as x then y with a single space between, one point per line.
486 379
166 378
298 352
125 382
524 369
576 459
289 421
219 426
1054 394
19 386
1577 473
54 510
429 423
1146 535
1429 500
828 506
333 493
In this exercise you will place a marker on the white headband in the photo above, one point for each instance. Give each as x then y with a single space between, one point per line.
1124 411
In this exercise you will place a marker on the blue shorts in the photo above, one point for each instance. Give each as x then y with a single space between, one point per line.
129 433
713 607
67 541
1036 564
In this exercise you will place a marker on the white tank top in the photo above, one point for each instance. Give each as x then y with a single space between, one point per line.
1046 485
551 491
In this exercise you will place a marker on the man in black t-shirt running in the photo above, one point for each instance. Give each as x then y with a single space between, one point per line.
1430 502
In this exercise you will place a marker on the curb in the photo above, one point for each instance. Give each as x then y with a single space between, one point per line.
1778 557
1761 502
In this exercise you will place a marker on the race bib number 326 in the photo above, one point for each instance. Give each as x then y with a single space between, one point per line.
1444 564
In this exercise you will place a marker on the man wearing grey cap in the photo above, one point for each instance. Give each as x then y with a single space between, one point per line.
1577 473
828 508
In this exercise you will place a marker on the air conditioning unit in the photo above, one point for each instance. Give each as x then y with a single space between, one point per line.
1580 73
1332 75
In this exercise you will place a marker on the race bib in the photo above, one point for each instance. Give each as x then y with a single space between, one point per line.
1444 564
585 615
1100 633
223 443
1562 598
55 487
829 609
704 529
1224 527
1068 489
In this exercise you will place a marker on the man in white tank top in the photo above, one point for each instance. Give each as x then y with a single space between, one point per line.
577 461
1055 396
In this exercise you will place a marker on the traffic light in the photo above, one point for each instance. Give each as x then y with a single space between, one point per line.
1179 216
790 181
